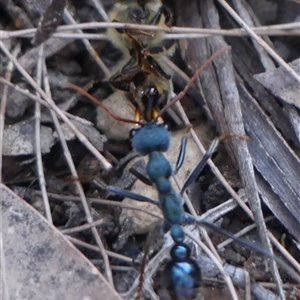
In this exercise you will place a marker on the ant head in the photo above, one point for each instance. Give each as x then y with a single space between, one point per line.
150 137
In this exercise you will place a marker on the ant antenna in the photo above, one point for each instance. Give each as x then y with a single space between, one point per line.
99 103
190 82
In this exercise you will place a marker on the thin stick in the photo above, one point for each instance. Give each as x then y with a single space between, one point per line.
242 232
235 196
99 7
272 285
82 227
247 286
38 153
42 102
54 107
247 14
221 177
88 46
190 82
259 40
78 185
217 263
168 36
8 74
96 249
194 213
263 30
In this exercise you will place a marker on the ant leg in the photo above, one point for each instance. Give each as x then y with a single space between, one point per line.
181 155
140 176
196 172
249 245
124 193
189 219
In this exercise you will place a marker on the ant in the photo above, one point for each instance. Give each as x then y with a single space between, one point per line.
153 139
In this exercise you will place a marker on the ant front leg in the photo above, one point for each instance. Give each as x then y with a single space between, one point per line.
123 193
141 177
196 172
181 154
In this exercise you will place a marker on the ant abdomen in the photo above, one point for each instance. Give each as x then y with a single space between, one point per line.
182 273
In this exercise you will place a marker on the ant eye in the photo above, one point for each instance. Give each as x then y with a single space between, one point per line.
133 132
164 125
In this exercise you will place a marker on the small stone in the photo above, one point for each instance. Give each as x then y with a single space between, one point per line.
120 106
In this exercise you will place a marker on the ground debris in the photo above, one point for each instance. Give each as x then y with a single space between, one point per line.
19 139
